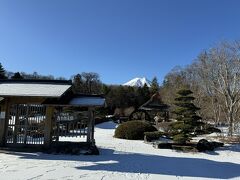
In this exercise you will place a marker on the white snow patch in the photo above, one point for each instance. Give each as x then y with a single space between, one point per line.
123 159
138 82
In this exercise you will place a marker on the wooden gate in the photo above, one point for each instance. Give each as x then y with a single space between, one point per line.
69 124
26 125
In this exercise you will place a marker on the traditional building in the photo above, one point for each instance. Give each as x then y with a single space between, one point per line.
153 109
40 113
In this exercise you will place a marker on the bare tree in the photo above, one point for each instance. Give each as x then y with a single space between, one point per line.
219 69
87 83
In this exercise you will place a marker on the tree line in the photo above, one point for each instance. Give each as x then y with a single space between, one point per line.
117 96
214 77
126 96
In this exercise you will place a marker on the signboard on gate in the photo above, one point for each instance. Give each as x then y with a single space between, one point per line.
2 115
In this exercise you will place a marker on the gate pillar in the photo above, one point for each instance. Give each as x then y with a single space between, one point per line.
3 122
48 126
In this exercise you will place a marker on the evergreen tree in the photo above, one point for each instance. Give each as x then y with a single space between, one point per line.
2 72
154 86
143 95
105 89
17 75
77 84
187 118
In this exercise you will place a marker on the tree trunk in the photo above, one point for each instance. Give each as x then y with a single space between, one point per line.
231 120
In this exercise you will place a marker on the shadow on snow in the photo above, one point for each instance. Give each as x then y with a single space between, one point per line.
122 162
108 125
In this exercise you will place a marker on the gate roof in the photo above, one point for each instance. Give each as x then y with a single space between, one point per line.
34 88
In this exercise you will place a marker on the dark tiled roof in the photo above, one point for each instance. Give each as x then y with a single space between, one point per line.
155 103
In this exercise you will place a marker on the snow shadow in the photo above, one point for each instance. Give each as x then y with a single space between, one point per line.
232 147
107 125
123 162
154 164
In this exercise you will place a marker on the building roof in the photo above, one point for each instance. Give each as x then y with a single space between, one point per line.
34 88
55 92
155 103
79 100
87 101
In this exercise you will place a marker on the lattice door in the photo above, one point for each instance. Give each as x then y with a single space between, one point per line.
26 124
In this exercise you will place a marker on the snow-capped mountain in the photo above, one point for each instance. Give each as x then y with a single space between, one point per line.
138 82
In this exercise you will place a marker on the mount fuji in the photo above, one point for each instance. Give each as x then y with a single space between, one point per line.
138 82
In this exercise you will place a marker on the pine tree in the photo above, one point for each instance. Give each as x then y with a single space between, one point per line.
2 72
17 75
143 95
187 118
78 84
154 86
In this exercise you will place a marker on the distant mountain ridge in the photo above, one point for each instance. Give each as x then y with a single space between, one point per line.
138 82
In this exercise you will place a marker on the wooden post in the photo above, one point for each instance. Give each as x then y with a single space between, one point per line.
4 122
90 130
17 123
48 126
93 125
26 125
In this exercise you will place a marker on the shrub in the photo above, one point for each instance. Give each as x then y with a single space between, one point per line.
205 145
163 146
150 136
181 138
186 116
217 144
210 130
184 148
200 132
164 126
133 130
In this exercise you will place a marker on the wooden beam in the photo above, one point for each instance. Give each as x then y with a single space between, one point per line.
16 127
26 100
90 130
48 126
26 125
4 122
93 125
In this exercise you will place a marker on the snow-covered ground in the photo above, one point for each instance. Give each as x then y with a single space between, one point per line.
123 159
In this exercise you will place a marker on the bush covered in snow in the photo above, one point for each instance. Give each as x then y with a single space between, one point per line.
133 130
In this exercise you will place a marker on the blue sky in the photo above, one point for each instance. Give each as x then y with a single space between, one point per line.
119 39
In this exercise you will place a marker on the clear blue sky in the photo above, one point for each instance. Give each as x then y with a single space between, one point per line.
119 39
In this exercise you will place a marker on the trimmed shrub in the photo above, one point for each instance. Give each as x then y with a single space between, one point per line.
207 130
199 132
184 148
163 146
210 130
205 145
181 138
133 130
217 144
164 126
151 136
